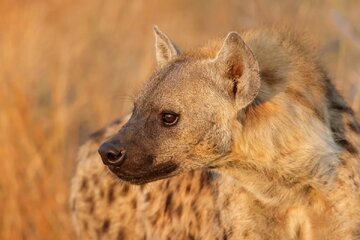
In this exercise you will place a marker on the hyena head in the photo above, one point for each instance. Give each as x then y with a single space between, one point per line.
182 117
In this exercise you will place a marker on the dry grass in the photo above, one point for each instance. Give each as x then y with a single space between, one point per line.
68 67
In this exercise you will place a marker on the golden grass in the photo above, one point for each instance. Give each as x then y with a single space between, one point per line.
68 67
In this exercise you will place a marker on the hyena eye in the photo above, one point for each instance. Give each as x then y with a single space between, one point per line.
169 118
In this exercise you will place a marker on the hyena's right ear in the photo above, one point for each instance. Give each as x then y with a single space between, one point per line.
237 63
164 48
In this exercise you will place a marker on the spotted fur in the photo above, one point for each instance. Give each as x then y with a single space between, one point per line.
282 144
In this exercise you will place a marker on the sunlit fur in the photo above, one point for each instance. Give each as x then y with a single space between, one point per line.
288 160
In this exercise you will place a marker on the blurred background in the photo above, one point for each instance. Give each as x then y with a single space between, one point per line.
69 67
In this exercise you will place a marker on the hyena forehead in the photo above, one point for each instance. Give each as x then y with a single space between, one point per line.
181 82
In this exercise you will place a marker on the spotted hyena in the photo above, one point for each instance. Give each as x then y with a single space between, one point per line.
244 138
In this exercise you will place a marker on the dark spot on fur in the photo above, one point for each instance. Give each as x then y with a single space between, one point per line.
102 194
179 210
272 220
354 127
337 104
91 207
193 205
125 190
110 195
147 197
167 184
336 101
98 135
205 179
84 185
91 203
347 145
298 233
230 232
168 202
246 234
338 129
217 217
86 225
95 179
235 87
134 203
225 236
307 189
226 202
191 237
341 107
188 188
121 235
106 225
115 122
268 76
154 220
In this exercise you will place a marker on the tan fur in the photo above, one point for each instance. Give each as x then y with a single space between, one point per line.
287 162
182 207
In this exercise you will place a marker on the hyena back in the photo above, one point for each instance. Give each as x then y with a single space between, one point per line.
260 111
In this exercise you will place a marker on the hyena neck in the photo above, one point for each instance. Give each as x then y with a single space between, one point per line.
287 144
290 157
283 154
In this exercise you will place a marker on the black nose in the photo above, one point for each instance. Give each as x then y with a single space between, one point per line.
112 154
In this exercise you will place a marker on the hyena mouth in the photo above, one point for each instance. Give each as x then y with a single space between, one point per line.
161 171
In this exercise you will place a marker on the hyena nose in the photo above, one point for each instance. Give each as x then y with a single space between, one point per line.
112 154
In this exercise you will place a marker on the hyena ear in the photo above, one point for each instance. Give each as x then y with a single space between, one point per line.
236 62
164 48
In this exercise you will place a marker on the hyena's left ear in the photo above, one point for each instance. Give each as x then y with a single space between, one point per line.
164 48
236 62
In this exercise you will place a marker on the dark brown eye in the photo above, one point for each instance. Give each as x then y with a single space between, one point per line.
169 118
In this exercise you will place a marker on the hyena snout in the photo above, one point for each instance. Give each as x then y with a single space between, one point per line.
112 153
